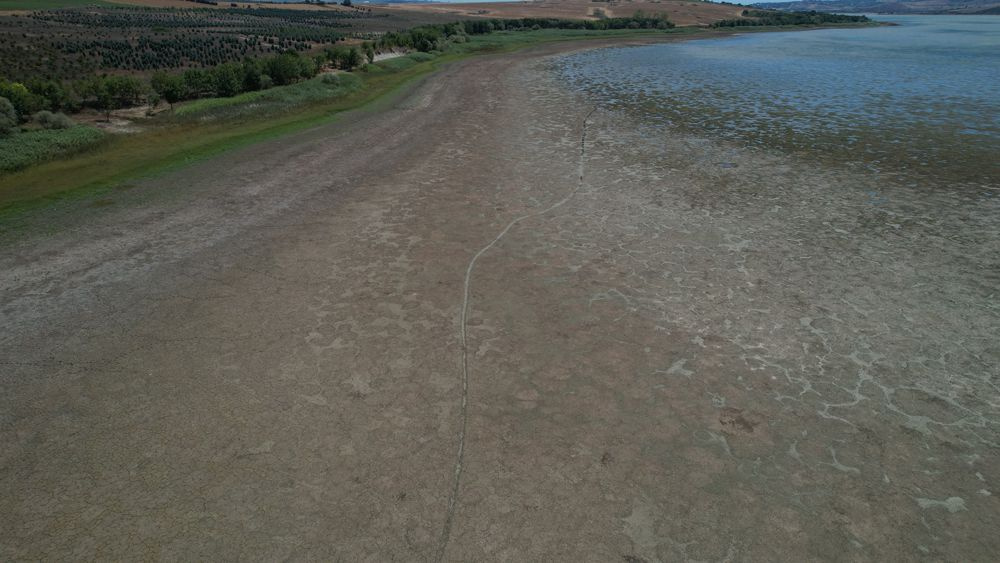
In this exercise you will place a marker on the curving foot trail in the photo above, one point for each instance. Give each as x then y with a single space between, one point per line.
463 412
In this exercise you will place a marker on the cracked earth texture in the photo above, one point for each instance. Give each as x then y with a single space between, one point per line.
703 353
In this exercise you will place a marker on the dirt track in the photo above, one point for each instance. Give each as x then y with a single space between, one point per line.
261 357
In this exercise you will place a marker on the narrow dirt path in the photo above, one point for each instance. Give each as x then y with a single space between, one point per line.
463 412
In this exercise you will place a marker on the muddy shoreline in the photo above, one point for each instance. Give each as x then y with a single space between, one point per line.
680 360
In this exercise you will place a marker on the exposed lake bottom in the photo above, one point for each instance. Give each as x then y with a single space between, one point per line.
822 336
503 320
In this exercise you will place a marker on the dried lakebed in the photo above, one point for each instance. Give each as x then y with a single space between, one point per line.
675 348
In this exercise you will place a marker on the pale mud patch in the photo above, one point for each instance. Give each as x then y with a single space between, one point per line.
119 126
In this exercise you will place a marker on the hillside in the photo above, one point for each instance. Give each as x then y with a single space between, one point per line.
679 12
891 6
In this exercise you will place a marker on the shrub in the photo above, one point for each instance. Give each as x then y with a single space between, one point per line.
48 120
421 57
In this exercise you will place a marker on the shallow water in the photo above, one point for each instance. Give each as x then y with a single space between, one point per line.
921 99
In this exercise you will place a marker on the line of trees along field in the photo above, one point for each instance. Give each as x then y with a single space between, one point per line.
111 92
427 38
774 18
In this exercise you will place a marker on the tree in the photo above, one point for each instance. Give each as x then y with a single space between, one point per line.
252 70
346 3
20 97
338 56
198 82
8 117
227 79
51 94
116 92
353 58
170 87
284 68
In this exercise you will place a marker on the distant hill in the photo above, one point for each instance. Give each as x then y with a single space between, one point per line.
890 6
680 12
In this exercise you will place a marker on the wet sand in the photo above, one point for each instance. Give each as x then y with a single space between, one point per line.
493 322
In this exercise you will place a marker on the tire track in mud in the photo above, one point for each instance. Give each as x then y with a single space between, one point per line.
463 411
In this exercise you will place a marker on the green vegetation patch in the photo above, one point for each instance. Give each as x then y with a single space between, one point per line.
396 64
776 19
273 100
32 147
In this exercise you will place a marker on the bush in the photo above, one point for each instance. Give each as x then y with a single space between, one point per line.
8 117
48 120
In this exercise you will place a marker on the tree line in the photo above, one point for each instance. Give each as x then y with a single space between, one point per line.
774 18
111 92
435 37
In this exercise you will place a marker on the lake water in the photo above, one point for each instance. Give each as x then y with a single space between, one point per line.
921 100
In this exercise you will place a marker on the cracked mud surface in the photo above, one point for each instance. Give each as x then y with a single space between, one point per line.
261 357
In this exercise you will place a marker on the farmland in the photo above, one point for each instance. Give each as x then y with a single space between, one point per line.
70 44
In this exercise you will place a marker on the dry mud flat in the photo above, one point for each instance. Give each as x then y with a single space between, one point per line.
677 350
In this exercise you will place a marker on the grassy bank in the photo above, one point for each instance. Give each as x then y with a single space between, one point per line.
208 127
